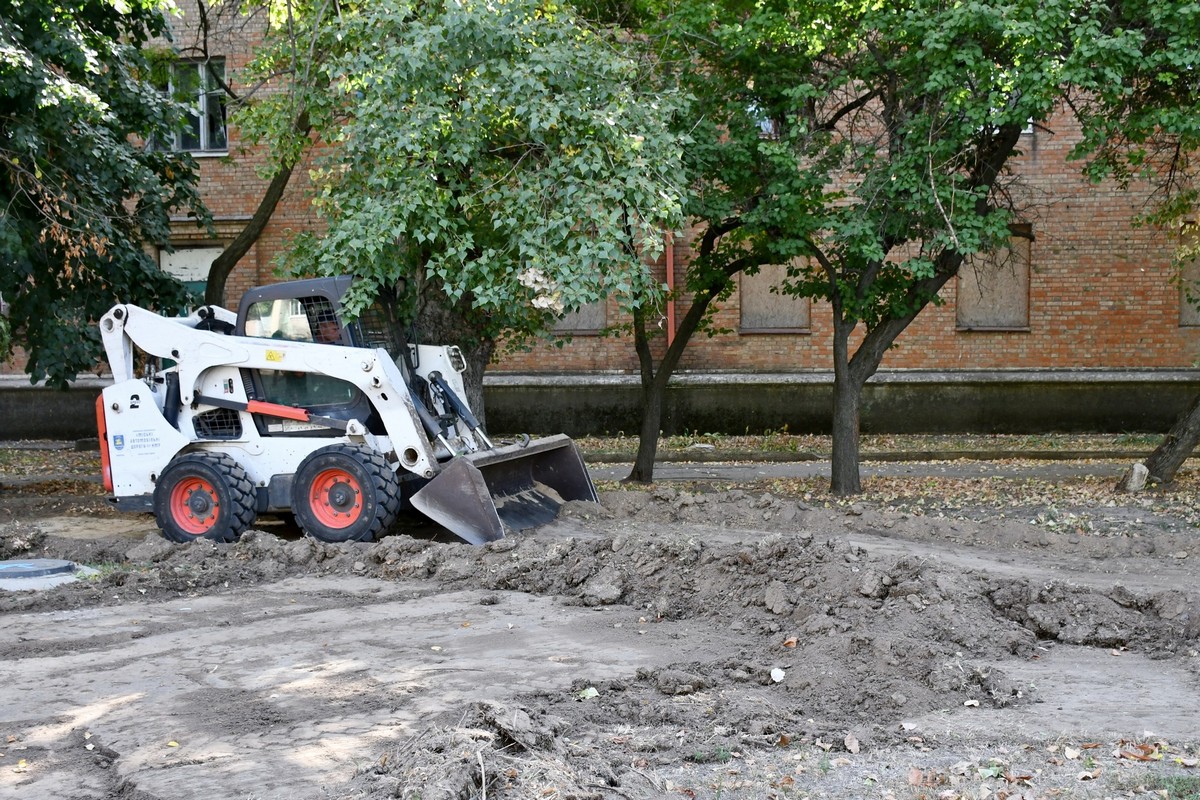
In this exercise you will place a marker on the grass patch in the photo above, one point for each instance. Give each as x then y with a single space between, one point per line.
1174 787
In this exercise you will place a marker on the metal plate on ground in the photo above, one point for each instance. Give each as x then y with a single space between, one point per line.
38 573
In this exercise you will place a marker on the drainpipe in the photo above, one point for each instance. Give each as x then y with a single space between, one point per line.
671 289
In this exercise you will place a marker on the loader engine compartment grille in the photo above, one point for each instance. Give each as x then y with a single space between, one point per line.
219 423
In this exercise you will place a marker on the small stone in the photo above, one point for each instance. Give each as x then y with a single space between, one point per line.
776 599
152 548
872 584
1135 479
605 587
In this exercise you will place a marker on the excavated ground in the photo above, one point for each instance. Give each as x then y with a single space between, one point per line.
934 639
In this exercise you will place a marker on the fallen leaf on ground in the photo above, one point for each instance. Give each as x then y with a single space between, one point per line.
172 743
851 743
1071 753
1090 776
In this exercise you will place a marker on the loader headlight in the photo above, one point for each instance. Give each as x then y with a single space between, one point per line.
456 358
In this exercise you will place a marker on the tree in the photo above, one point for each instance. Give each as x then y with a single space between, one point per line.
867 146
81 194
500 161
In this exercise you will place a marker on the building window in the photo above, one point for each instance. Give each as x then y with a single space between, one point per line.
1189 285
765 311
589 318
197 84
189 264
993 287
768 128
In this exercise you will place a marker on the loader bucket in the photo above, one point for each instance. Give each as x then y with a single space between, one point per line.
512 488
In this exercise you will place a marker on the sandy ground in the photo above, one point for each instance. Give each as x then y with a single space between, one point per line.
698 640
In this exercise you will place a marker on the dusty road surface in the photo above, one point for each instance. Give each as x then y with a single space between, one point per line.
939 638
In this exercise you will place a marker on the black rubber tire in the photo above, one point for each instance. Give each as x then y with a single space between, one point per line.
345 493
204 496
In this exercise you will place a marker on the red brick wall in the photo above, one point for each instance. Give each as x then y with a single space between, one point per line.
1100 297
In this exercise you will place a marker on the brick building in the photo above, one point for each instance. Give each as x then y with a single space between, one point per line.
1090 290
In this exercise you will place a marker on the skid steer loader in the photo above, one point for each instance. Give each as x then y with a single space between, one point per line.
284 407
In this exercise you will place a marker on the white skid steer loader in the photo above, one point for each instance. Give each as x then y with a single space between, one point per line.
287 408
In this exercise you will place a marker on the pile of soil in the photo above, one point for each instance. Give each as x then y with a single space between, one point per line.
842 651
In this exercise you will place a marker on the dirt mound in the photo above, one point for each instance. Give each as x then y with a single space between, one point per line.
858 636
811 632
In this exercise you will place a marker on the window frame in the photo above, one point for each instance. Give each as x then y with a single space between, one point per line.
207 91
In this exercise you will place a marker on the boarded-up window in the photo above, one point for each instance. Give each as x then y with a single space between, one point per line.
993 288
590 318
189 264
1189 291
764 311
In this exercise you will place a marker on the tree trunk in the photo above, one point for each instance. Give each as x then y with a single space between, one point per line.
653 395
654 383
1176 446
847 398
440 322
222 266
850 374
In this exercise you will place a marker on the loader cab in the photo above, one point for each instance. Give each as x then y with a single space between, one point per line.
310 311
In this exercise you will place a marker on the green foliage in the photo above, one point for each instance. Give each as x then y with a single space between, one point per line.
81 195
867 144
504 155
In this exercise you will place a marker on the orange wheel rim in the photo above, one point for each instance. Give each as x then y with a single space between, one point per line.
335 498
194 506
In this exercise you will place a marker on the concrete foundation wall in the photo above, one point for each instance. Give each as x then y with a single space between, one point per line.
1101 401
898 402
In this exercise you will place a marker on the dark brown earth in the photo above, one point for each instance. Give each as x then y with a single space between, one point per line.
940 637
